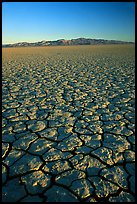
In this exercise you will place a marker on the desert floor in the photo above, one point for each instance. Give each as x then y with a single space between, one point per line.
68 124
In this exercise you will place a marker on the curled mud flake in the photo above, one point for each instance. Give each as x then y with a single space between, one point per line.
104 154
16 190
52 154
117 175
58 112
59 194
116 142
4 174
76 159
82 188
63 132
103 188
5 147
132 183
32 199
94 165
56 166
66 114
122 197
91 141
11 113
24 141
131 168
83 150
38 126
40 146
69 143
26 163
38 181
69 176
13 156
69 129
49 133
129 155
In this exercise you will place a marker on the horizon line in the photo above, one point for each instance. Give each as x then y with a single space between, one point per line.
67 39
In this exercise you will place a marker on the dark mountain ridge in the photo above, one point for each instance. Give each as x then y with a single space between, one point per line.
63 42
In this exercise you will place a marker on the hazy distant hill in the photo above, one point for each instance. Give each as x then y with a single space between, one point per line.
78 41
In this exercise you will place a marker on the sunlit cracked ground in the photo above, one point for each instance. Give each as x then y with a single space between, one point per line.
68 122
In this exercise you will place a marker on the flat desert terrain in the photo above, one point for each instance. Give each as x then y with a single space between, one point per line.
68 124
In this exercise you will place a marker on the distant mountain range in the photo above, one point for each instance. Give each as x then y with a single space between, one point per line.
63 42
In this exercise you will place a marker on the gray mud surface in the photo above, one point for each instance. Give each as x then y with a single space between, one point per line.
68 124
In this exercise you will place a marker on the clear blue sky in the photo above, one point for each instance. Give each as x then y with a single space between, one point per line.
36 21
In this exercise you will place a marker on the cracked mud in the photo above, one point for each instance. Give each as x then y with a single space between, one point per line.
68 124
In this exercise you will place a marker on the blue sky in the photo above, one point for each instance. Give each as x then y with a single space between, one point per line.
36 21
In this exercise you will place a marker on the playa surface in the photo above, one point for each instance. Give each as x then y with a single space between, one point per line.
68 124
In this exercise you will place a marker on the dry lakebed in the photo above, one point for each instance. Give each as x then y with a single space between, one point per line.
68 124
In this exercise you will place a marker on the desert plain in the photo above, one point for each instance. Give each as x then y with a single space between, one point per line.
68 124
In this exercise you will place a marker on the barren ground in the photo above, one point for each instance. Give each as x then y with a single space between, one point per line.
68 124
